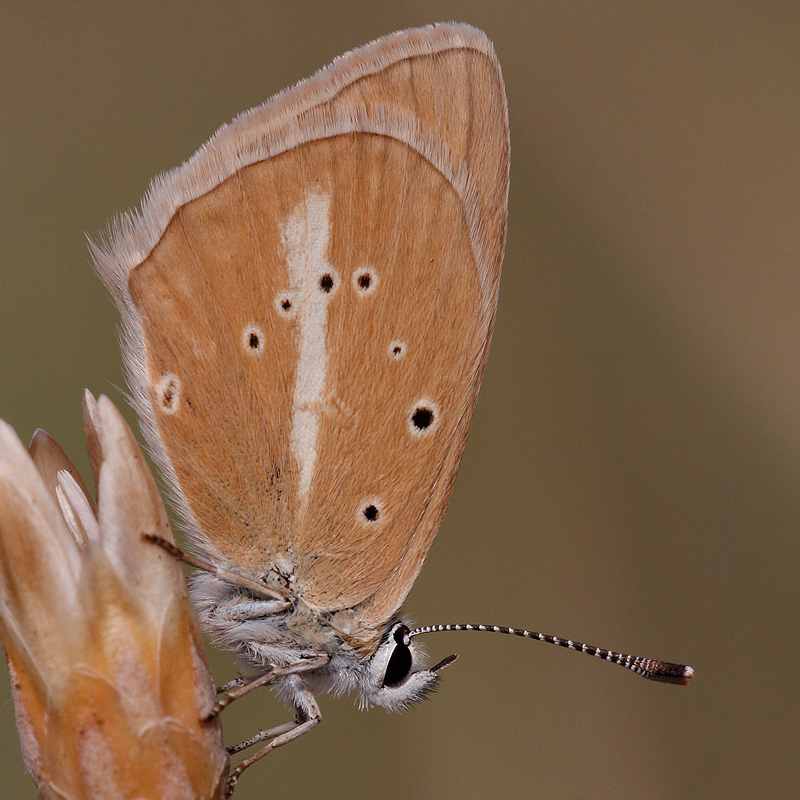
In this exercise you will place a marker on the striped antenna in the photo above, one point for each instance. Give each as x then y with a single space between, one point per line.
654 670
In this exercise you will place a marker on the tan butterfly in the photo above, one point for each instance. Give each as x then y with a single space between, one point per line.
307 305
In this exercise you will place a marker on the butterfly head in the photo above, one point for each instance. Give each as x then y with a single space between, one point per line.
396 677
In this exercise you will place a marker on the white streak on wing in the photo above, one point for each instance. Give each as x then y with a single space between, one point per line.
306 235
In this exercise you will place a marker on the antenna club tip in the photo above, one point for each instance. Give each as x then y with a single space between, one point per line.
679 674
685 675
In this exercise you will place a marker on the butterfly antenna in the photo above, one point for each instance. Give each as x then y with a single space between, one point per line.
647 667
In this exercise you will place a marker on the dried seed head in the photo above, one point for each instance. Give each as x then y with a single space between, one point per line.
108 675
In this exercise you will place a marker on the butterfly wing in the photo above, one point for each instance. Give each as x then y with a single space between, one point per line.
307 306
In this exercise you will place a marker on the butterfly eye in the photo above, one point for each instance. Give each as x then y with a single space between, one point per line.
399 667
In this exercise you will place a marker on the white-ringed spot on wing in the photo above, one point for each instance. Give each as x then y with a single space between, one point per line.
253 340
168 392
328 282
285 305
397 349
364 281
371 512
423 417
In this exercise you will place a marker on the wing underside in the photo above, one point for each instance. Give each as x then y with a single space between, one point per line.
307 332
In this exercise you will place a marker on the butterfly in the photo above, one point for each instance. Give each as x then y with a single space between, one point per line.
307 306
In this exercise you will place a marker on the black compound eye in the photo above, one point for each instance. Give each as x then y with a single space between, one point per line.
399 667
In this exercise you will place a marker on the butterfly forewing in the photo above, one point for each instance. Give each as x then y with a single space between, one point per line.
307 331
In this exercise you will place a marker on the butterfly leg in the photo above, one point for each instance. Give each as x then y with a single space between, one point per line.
307 715
252 584
241 686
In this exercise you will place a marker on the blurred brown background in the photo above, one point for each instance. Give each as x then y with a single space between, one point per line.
632 474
